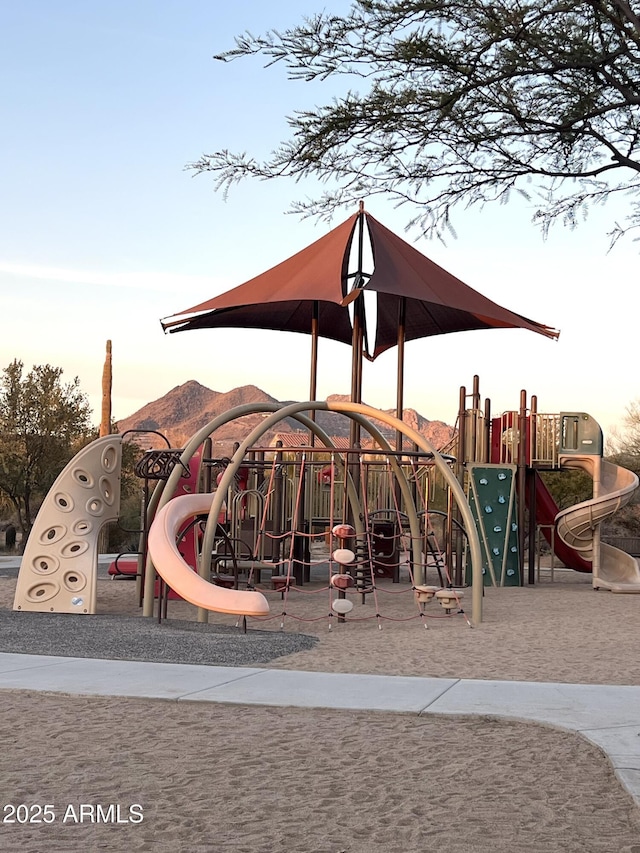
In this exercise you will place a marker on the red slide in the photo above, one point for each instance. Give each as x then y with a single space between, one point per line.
546 511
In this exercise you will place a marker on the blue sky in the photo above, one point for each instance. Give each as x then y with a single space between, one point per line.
103 232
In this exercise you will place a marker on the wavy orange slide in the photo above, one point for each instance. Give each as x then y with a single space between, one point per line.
180 577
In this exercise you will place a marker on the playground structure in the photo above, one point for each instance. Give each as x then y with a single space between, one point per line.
232 535
534 442
242 536
354 505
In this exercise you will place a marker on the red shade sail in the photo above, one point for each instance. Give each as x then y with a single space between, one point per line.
436 301
314 283
285 297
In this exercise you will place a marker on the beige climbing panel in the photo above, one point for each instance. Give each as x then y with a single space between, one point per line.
59 568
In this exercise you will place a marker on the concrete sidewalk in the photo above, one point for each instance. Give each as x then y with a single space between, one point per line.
609 716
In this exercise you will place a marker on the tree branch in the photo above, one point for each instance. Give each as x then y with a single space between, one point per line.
465 101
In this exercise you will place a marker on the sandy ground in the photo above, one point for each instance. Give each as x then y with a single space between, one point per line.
237 779
561 631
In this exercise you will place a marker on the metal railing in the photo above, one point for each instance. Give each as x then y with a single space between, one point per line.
541 432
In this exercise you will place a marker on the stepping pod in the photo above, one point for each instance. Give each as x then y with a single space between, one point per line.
449 599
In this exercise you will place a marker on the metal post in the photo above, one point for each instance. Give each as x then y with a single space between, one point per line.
301 571
487 431
475 408
313 381
357 338
277 503
402 313
522 476
453 541
462 429
533 512
207 454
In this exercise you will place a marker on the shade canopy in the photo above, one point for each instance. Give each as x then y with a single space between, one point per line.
310 293
436 301
288 296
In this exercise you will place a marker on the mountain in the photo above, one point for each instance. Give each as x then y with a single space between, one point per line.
437 432
186 408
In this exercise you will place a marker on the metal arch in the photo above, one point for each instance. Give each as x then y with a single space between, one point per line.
292 410
450 479
165 489
295 410
359 409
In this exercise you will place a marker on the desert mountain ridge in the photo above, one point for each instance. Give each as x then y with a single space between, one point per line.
185 409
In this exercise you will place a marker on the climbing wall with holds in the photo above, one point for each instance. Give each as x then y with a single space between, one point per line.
492 502
59 568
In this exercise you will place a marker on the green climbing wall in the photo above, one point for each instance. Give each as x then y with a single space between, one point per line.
493 504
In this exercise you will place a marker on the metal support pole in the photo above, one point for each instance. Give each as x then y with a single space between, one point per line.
313 381
357 339
452 509
402 314
522 475
533 512
487 430
277 503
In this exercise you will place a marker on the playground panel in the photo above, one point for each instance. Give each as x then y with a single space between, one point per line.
492 499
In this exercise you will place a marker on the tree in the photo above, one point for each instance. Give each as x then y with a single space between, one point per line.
465 103
623 446
568 487
43 423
